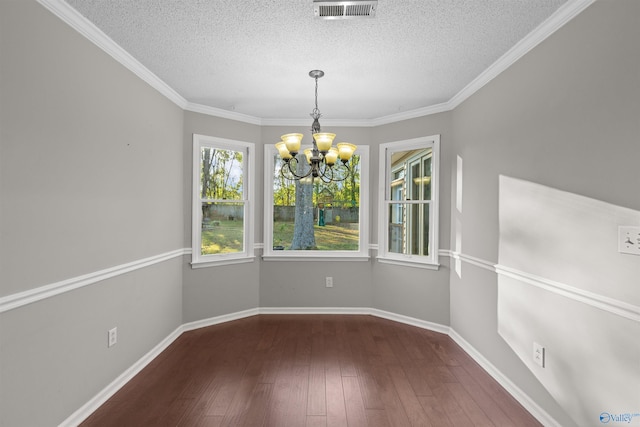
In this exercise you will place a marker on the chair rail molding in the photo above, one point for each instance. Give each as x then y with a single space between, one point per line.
20 299
611 305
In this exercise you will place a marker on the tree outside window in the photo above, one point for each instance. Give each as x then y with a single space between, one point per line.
222 202
313 218
221 199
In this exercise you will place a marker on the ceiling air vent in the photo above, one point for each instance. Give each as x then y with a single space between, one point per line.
345 9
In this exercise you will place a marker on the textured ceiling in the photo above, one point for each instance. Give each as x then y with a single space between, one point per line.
253 56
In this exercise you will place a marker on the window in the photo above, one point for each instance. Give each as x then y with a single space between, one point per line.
408 231
335 223
222 215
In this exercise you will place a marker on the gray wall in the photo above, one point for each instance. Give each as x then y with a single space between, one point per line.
565 116
212 292
301 284
197 123
94 163
90 178
284 284
410 291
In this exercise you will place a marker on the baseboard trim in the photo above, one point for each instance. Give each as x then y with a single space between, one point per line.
315 310
424 324
219 319
87 409
436 327
528 403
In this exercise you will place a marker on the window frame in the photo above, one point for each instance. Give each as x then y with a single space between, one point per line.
362 254
248 169
385 200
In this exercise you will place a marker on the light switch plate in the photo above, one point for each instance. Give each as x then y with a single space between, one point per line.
629 240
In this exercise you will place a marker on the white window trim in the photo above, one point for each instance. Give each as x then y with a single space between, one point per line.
293 255
384 256
198 260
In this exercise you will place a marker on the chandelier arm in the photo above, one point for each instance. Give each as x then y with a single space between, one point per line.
331 176
345 175
290 170
284 175
325 179
324 176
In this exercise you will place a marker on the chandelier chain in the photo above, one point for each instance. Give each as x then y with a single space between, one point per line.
316 112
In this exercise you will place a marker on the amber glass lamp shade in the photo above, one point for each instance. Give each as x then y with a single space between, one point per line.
308 153
324 141
331 157
292 141
345 150
282 150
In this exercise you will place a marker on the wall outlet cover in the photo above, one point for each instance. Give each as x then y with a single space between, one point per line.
112 337
538 354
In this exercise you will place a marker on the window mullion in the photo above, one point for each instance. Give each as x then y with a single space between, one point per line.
408 229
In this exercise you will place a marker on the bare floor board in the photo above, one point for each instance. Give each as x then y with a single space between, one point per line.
312 370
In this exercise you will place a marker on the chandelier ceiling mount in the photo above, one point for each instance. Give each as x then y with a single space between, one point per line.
321 157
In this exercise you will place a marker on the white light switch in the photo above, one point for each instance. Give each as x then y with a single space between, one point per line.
629 240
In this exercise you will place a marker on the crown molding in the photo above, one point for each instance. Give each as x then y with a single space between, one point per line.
412 114
92 33
223 114
87 29
325 122
564 14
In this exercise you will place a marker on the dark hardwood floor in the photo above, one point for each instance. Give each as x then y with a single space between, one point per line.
312 370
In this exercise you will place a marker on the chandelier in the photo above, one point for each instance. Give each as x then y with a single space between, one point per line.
322 158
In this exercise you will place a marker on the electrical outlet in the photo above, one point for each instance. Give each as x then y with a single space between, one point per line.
328 281
538 354
113 337
629 240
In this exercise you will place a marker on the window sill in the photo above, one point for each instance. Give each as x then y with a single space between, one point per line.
314 257
408 263
222 261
